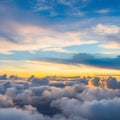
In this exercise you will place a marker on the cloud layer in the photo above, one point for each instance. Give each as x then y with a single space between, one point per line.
62 98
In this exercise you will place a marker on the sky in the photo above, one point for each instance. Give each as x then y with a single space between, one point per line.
59 37
59 59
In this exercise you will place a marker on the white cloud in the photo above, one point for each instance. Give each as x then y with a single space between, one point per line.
103 11
18 114
61 50
107 29
30 108
5 101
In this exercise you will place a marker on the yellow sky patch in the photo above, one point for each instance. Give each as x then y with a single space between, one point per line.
42 69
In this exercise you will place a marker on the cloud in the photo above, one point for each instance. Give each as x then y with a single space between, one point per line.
33 38
107 29
19 36
103 11
5 101
42 5
37 81
56 92
30 108
3 77
110 82
68 106
11 92
86 98
18 114
102 109
70 7
91 60
89 110
94 82
108 34
60 50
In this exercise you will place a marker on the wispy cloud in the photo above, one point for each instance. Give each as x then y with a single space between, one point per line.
32 38
103 11
41 5
61 50
71 7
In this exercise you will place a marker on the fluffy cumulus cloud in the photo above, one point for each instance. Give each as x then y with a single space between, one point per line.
5 101
111 82
75 98
18 114
100 110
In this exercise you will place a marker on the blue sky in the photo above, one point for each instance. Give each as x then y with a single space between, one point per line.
59 29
